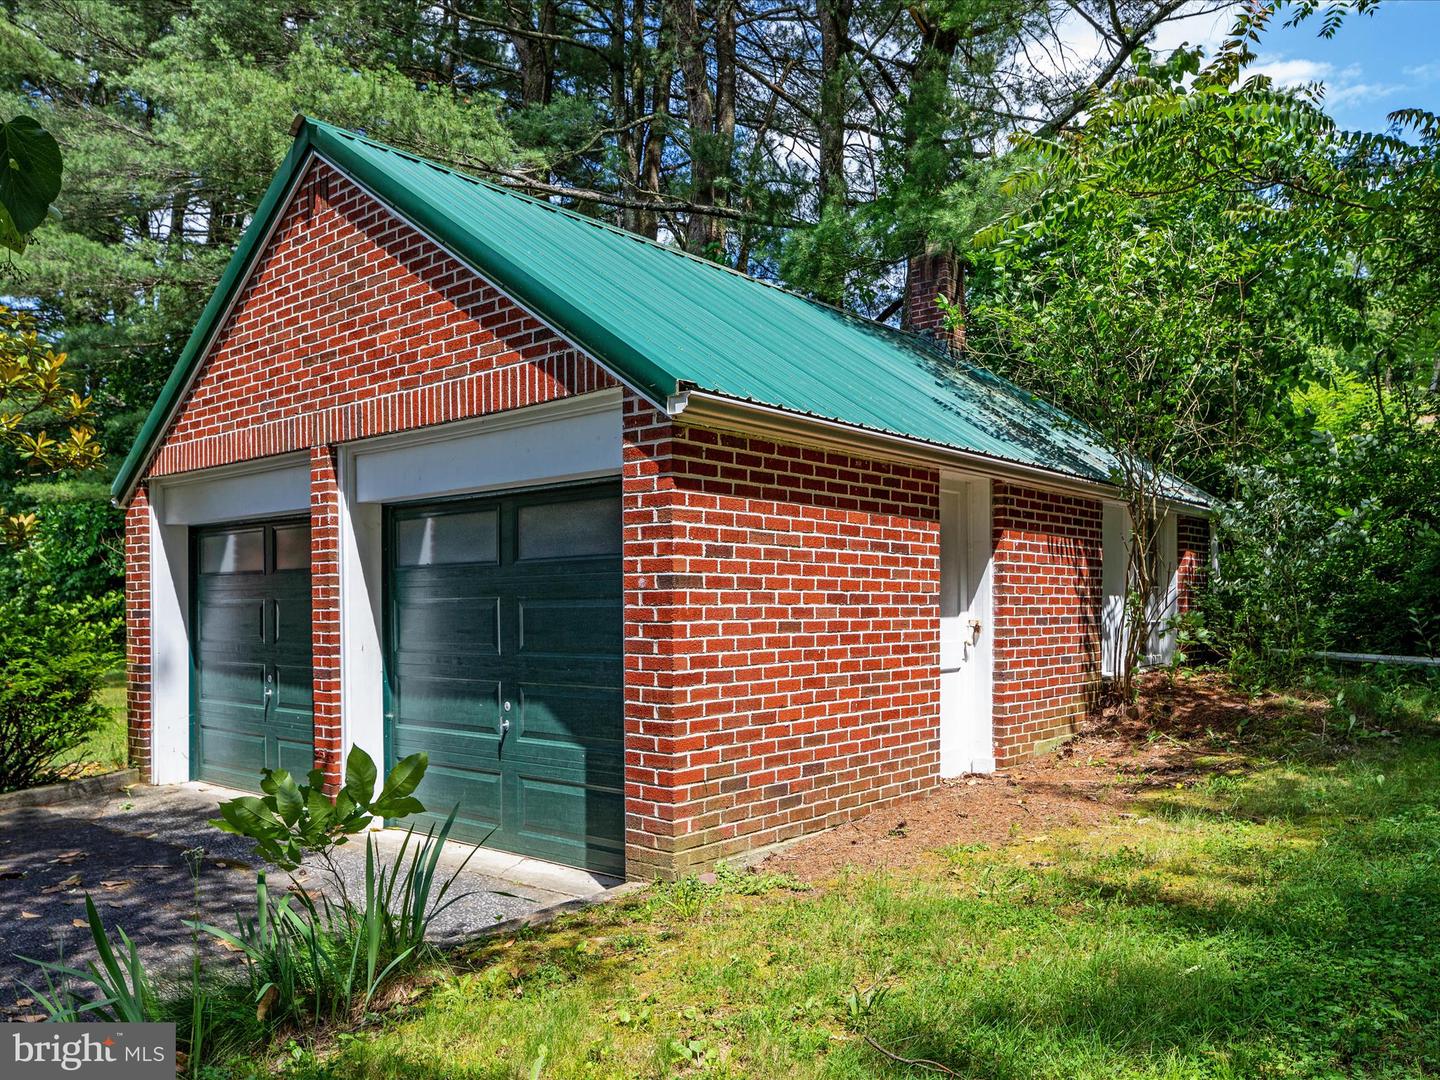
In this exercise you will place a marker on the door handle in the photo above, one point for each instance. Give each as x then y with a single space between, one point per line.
504 720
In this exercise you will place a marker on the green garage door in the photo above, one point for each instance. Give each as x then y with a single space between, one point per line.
251 705
504 665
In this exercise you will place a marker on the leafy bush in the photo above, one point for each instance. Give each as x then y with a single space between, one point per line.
310 961
291 819
53 658
73 546
307 959
1334 546
323 960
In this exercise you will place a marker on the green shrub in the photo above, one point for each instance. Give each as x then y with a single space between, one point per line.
314 961
1334 544
53 659
291 819
75 547
310 961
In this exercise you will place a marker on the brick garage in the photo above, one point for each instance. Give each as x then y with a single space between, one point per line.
771 608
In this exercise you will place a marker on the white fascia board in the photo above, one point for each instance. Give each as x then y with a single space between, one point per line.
706 410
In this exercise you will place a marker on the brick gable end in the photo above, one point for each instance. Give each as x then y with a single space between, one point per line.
354 324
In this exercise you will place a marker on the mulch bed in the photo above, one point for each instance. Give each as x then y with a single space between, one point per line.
1115 758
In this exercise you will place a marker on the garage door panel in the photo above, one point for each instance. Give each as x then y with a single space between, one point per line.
295 755
253 697
291 626
552 717
568 528
477 791
551 648
464 750
221 683
562 627
447 536
234 749
464 706
570 765
294 688
573 823
237 621
232 551
458 624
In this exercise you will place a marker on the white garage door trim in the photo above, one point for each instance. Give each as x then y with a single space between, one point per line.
266 488
571 439
575 438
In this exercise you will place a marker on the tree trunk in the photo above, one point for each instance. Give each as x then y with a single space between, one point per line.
834 19
536 57
658 130
926 155
700 230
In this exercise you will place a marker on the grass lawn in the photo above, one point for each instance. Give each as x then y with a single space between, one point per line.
105 749
1273 912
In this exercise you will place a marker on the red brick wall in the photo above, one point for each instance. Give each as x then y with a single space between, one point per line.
325 611
782 642
352 325
1046 609
1192 543
137 630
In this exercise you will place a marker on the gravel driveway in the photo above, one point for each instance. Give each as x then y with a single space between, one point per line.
128 852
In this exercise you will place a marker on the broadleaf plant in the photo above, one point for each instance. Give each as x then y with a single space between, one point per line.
30 171
290 819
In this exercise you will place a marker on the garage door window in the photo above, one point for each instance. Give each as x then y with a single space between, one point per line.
569 530
440 539
238 552
292 547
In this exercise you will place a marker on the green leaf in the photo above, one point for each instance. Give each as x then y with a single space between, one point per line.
360 776
249 816
289 802
10 236
403 806
30 171
405 777
322 812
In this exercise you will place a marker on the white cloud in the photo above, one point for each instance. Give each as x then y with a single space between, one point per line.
1343 86
1424 72
1357 93
1286 73
1196 25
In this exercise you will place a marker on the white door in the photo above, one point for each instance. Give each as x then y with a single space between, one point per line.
1164 594
1115 539
966 738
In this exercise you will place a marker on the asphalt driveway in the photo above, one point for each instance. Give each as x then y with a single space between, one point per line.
133 854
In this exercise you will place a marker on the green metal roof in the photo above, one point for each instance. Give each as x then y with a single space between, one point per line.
665 322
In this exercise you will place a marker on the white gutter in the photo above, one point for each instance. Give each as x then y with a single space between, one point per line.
704 409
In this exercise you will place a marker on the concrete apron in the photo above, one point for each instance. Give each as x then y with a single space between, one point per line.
128 850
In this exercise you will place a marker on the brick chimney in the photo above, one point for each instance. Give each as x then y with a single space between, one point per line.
934 274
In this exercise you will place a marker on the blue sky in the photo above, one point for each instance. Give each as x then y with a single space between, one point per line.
1375 64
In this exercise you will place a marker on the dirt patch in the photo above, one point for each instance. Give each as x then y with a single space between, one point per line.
1182 730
